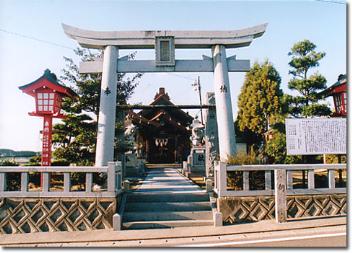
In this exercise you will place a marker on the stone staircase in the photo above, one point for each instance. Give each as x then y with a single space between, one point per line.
166 199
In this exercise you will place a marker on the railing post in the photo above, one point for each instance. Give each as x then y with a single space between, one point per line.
289 180
331 175
89 182
67 182
268 180
111 176
280 196
311 184
46 181
246 180
123 166
216 169
118 176
3 182
24 181
222 179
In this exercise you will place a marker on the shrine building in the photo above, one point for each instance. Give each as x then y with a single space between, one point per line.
163 134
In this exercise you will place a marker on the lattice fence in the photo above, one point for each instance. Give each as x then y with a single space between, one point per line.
249 209
28 215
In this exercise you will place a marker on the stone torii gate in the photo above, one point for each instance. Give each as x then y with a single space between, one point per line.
164 43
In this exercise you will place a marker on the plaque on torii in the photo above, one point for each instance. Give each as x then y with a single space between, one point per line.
164 43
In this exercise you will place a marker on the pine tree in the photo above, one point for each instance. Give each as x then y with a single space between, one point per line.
303 59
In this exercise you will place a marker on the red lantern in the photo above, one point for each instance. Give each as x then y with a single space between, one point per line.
339 93
48 94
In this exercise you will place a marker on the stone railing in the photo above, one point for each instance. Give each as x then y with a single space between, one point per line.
113 171
278 195
28 211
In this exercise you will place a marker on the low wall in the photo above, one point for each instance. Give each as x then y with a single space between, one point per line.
28 215
249 209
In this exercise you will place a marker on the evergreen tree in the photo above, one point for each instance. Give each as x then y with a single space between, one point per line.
259 103
303 59
75 137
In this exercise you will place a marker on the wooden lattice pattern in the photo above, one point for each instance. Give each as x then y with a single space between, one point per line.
28 215
249 209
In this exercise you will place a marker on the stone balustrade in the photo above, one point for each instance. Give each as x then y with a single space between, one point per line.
113 171
28 211
278 197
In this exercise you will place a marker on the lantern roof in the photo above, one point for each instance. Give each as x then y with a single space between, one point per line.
50 81
338 87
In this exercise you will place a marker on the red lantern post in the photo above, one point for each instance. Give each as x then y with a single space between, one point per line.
48 94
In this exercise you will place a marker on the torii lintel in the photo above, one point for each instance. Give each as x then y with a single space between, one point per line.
182 39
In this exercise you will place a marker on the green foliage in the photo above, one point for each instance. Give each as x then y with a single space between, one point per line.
336 159
61 162
303 59
260 100
75 137
243 158
235 178
34 161
276 147
8 163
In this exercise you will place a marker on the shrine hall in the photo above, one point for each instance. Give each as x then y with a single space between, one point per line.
163 134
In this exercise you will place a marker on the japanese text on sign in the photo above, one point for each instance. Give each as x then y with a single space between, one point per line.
316 136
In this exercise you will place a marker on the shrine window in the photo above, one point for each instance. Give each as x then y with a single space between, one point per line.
344 99
337 99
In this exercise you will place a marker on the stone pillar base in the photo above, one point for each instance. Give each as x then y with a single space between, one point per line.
117 222
217 217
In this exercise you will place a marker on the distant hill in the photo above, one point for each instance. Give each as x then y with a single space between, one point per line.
13 153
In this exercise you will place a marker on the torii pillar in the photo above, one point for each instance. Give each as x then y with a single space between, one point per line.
224 117
107 112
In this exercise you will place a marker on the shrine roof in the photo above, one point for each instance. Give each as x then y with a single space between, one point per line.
162 98
50 80
338 87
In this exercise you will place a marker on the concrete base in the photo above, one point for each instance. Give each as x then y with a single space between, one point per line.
41 214
116 222
217 217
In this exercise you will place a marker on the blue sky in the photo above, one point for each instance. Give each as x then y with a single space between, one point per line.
23 60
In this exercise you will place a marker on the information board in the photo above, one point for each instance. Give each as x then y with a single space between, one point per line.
316 136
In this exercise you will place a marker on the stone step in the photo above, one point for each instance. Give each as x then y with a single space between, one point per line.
166 224
167 206
165 216
167 197
165 165
161 183
168 190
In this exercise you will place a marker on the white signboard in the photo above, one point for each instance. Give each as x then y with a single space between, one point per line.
316 136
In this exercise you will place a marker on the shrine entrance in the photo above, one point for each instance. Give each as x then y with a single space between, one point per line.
164 43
